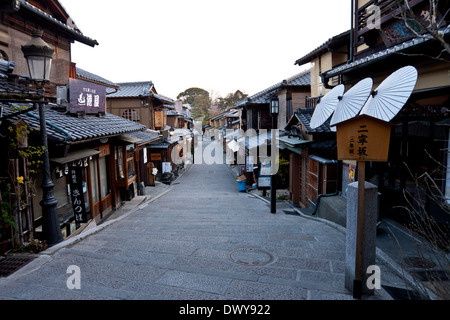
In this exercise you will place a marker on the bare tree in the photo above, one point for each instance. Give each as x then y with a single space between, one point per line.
431 238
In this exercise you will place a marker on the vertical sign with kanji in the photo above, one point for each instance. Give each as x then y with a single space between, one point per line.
362 138
76 194
358 143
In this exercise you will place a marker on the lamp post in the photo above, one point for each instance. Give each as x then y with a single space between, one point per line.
274 109
39 60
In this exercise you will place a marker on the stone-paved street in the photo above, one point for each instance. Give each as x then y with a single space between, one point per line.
201 240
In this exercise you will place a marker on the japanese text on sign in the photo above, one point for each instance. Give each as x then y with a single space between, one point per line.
77 197
86 97
363 139
358 147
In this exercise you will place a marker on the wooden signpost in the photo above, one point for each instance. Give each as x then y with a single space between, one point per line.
362 138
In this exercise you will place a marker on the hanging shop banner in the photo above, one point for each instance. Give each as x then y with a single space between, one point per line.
86 97
159 119
76 194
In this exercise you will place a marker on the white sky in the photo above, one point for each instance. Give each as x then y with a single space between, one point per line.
218 45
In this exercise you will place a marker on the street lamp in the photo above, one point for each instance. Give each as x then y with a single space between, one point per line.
39 60
274 109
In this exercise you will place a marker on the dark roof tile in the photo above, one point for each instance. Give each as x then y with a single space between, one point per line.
304 116
301 79
62 126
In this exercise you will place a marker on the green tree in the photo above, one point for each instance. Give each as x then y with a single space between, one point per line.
231 99
198 98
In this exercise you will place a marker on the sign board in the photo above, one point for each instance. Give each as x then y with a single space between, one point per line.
363 138
398 32
155 156
86 97
166 167
264 182
77 195
159 119
104 151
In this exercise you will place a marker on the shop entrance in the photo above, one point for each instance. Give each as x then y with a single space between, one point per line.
100 186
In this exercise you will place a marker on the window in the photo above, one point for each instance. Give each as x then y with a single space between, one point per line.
132 115
130 161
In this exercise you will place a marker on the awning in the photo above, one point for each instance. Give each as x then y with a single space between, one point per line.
293 144
76 155
161 145
293 141
294 150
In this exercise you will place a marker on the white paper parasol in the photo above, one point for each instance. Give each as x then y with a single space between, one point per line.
326 106
391 95
351 102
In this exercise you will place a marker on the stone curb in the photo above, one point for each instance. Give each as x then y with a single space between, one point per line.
46 255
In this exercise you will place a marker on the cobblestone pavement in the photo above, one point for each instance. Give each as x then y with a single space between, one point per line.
203 240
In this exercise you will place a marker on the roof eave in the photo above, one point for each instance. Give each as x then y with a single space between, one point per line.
76 35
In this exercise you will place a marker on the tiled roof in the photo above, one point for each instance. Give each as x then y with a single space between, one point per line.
83 74
139 89
164 99
68 128
377 56
301 79
304 117
332 43
132 89
10 90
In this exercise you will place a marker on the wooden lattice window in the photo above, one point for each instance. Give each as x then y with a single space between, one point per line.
131 114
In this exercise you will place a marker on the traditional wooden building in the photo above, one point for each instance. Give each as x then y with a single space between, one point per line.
254 116
140 102
19 19
419 141
94 165
313 165
291 94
